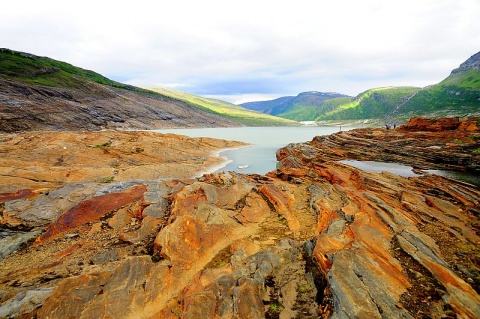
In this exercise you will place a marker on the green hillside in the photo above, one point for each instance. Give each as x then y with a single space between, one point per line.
32 69
458 94
228 110
303 107
374 103
311 112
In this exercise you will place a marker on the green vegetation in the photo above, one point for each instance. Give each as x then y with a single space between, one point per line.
303 107
476 152
306 288
31 69
107 179
28 68
458 94
104 145
310 113
275 308
374 103
225 109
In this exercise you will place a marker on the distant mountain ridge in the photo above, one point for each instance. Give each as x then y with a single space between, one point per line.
266 106
456 95
39 93
293 107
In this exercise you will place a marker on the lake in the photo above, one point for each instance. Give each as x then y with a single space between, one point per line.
260 157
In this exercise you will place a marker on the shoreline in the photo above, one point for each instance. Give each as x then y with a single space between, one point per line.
209 169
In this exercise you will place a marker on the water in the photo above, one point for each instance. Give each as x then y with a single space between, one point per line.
407 171
260 157
372 166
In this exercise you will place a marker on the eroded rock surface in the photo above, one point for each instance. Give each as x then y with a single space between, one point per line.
92 106
320 240
51 159
451 144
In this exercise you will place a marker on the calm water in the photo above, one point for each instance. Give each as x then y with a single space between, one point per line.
407 171
260 157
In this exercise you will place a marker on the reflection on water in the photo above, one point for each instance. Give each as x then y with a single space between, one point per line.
461 176
372 166
407 171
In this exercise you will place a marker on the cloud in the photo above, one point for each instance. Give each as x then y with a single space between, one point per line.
251 48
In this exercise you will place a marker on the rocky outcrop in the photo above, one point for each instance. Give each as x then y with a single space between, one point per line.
421 124
321 240
450 144
32 161
92 106
472 63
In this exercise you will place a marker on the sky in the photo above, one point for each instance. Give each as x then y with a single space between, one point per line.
249 50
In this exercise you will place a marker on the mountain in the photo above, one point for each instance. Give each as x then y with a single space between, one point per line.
230 111
457 95
266 106
373 103
300 107
39 93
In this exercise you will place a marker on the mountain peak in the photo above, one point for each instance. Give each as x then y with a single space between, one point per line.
321 94
472 63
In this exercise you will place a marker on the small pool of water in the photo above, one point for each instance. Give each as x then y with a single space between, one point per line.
372 166
407 171
260 158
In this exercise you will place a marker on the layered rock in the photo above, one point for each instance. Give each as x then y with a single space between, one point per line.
320 240
92 106
449 144
50 159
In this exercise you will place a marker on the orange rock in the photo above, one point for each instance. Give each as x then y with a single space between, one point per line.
438 125
92 210
256 210
23 193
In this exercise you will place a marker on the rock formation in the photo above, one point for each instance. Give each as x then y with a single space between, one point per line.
450 143
315 238
27 107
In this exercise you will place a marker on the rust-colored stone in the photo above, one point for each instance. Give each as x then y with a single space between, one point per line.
431 125
23 193
92 210
228 245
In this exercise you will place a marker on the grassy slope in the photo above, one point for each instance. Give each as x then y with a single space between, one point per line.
28 68
374 103
303 107
231 111
310 113
458 94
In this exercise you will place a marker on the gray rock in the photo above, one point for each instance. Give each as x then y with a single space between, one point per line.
24 302
45 209
14 241
117 187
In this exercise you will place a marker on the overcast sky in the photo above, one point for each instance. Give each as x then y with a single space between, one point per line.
251 50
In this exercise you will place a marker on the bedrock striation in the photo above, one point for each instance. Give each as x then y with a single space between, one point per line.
449 143
320 239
